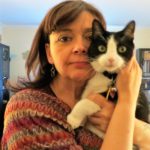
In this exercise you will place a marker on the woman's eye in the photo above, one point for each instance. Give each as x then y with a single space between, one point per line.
102 48
65 39
89 37
122 49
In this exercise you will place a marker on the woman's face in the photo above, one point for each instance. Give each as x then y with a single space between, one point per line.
68 49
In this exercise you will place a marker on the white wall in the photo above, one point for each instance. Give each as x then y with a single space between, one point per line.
19 39
142 36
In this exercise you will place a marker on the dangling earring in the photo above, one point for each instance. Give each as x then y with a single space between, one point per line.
53 71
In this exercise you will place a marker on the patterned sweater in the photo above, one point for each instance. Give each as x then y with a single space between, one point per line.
36 120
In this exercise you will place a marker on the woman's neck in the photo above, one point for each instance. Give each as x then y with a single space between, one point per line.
67 90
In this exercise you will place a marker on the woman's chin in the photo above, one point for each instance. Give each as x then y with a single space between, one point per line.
81 76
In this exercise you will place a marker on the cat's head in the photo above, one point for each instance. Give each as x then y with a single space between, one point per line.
110 51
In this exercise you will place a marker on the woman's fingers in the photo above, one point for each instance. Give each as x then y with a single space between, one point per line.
98 99
129 80
101 118
100 122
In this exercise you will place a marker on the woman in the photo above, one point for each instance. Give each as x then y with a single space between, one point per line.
35 117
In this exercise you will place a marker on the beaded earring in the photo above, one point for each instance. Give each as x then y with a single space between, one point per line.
53 71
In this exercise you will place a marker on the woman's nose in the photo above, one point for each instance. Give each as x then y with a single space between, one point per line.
79 51
80 47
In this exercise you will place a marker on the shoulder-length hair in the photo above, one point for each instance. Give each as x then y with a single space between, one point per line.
60 15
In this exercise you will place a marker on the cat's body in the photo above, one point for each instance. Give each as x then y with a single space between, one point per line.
108 53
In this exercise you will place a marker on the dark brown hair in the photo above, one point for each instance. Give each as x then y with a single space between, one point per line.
57 17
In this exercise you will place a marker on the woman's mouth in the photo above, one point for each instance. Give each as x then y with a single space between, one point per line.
80 64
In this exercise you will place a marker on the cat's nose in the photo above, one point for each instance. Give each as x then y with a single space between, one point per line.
111 60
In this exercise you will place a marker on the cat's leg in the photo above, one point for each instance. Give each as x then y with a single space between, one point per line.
81 110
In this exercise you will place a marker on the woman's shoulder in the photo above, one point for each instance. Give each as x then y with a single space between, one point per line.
34 113
31 94
39 97
27 99
37 103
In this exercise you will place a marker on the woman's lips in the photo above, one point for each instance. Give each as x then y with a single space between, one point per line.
80 64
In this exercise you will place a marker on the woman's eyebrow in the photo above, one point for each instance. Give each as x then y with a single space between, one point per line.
88 30
63 30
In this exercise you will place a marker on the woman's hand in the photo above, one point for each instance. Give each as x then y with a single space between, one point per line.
129 81
102 118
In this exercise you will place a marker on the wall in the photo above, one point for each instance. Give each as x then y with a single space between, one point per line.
0 32
142 36
19 39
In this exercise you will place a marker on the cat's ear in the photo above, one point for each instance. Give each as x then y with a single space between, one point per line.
97 28
129 29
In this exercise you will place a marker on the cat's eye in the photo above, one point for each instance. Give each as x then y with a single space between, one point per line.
102 48
122 49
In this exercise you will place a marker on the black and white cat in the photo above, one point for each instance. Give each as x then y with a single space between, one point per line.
108 53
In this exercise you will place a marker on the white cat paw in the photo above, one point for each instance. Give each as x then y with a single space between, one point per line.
74 122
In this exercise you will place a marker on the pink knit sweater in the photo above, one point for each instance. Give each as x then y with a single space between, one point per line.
36 120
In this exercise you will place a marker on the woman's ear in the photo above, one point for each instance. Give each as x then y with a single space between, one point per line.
48 53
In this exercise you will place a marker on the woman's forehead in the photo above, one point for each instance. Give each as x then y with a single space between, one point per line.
85 19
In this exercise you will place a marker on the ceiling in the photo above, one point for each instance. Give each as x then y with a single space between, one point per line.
116 12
